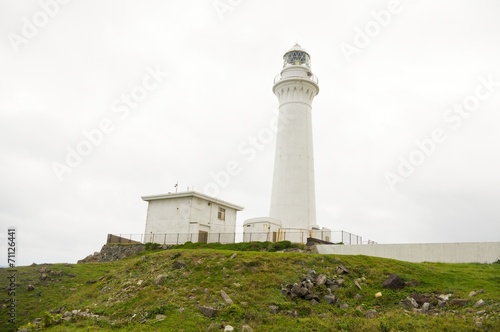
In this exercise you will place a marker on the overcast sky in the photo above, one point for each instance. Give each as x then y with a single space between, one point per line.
102 102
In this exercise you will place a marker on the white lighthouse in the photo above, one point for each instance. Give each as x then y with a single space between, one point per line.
293 198
293 207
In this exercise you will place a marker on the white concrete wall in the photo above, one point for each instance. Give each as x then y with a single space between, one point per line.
260 229
187 216
480 252
168 216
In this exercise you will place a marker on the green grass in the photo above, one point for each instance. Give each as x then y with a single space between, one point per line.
253 280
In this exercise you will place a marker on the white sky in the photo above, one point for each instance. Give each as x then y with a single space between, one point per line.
65 78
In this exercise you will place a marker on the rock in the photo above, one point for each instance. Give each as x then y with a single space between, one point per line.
321 279
303 291
441 303
284 291
329 282
341 269
459 302
344 306
339 282
215 327
311 297
160 279
330 299
393 282
292 313
358 297
160 317
274 309
178 264
444 297
409 303
426 306
31 287
295 289
314 302
472 294
412 283
226 297
480 303
228 328
139 282
379 294
208 311
356 282
371 313
233 256
246 328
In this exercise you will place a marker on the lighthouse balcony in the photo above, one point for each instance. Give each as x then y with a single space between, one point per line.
300 75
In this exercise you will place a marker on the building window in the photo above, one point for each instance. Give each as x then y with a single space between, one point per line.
222 214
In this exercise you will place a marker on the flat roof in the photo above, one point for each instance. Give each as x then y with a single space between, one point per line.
192 194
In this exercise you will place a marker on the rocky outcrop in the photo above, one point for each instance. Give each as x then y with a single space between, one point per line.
113 252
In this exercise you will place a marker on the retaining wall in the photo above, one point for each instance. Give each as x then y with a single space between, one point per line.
472 252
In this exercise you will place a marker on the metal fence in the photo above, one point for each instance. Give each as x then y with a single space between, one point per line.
338 237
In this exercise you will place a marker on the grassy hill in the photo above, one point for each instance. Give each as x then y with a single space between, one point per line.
164 290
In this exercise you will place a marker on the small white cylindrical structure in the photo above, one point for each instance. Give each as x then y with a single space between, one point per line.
293 192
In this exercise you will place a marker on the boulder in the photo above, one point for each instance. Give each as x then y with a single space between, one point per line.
274 309
226 297
480 303
393 282
246 328
409 303
330 299
178 264
208 311
459 302
341 269
160 279
321 279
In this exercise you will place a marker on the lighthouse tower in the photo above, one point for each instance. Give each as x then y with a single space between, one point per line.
293 208
293 197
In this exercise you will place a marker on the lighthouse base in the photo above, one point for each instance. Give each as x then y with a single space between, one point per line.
268 229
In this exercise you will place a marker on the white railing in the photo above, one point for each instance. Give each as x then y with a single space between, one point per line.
337 237
312 78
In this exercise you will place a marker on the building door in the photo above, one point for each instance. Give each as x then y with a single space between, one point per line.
203 237
275 236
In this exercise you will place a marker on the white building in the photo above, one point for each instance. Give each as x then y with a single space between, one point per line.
189 216
293 205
